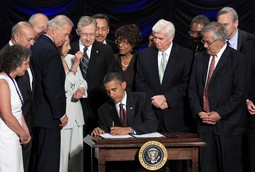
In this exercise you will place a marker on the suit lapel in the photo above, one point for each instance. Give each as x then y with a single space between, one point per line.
93 57
114 114
205 67
154 66
221 62
130 106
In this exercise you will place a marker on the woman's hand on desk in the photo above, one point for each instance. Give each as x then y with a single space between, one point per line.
97 131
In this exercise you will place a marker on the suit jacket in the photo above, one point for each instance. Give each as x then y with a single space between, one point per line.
72 84
249 51
101 62
242 39
49 103
140 116
113 45
226 91
173 87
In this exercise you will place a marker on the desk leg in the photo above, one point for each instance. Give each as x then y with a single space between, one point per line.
101 160
101 167
91 159
195 160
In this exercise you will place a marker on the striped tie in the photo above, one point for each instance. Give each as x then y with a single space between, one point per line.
84 62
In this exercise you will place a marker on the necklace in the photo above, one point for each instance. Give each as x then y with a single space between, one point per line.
128 61
17 89
124 64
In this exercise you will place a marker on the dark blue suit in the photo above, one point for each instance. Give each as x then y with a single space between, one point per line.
140 116
173 87
49 103
227 97
101 62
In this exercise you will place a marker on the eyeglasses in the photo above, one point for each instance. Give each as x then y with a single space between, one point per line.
207 42
86 35
191 33
123 42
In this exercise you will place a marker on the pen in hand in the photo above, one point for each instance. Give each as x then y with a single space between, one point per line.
112 123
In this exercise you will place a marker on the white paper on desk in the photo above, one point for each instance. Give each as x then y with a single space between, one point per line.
150 135
109 136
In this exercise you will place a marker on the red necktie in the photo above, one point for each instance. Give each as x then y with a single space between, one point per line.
209 77
123 116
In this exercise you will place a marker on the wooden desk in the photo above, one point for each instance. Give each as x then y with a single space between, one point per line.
179 147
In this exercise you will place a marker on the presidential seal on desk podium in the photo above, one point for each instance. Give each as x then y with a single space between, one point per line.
152 155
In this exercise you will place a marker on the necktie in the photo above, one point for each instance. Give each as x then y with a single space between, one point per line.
228 43
209 77
123 116
162 67
84 62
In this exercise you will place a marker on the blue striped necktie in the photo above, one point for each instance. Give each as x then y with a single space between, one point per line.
84 62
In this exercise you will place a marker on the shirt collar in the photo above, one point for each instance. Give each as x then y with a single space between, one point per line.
233 41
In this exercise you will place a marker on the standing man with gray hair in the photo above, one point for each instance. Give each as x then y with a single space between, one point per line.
163 73
236 38
100 61
217 98
49 103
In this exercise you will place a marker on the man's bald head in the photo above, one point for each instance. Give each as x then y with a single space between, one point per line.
39 22
23 34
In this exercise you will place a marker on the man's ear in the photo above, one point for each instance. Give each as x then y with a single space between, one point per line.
124 85
16 38
77 32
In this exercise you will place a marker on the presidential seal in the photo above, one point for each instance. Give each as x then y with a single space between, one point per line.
152 155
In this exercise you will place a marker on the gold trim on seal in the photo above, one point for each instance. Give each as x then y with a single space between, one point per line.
152 155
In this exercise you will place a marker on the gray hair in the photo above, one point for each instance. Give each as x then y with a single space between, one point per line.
18 28
219 31
60 21
230 10
85 21
165 26
12 57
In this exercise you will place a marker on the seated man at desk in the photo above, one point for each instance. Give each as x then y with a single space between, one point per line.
126 112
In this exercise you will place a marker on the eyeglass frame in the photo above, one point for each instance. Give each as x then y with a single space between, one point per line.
123 42
198 33
87 35
208 43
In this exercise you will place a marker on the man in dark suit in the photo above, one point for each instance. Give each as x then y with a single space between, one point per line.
166 88
196 25
24 35
101 61
236 38
139 114
217 93
103 29
166 94
244 42
49 103
250 103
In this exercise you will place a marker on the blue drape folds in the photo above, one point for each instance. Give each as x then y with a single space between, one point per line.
144 13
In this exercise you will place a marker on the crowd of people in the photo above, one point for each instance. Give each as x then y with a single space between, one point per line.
54 90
